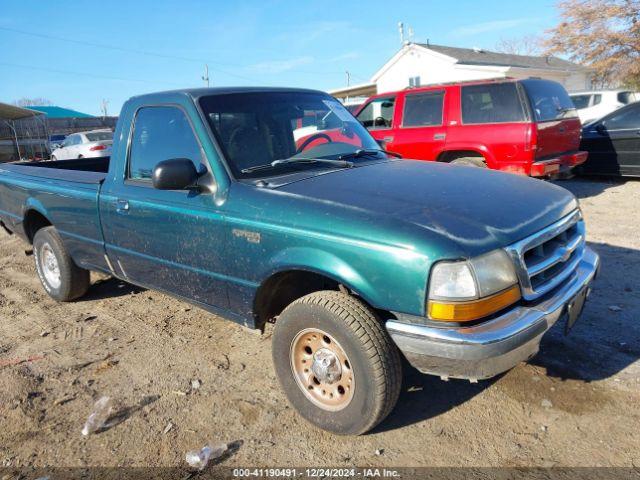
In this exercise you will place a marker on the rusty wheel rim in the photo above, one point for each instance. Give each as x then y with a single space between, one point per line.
322 369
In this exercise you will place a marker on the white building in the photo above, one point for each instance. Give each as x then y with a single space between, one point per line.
422 64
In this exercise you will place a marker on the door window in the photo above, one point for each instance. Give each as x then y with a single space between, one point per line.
160 133
378 113
423 109
70 141
627 119
491 103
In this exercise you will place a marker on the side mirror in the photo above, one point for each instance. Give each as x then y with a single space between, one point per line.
174 174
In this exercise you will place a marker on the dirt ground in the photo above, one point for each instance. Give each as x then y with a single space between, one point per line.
576 404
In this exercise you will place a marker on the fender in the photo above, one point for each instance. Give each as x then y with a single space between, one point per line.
322 263
33 203
473 147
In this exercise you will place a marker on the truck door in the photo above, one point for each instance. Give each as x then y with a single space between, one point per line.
421 133
165 239
377 115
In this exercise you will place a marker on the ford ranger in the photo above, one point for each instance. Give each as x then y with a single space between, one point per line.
275 205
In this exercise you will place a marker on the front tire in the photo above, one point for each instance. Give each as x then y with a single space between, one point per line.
336 363
61 278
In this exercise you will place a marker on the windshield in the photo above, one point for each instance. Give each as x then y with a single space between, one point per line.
258 128
549 100
99 136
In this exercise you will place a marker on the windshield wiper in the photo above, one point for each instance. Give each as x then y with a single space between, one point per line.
362 152
341 163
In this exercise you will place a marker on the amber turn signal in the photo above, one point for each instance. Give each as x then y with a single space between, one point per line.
474 309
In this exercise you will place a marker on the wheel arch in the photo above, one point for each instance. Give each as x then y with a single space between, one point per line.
33 220
452 153
288 282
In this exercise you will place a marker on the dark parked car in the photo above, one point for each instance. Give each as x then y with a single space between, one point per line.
613 143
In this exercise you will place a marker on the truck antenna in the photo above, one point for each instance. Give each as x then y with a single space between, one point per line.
205 77
401 31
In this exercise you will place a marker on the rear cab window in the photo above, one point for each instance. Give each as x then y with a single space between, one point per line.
378 113
549 100
491 103
423 109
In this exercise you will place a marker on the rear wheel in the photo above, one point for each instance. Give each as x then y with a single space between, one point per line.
336 363
61 278
470 162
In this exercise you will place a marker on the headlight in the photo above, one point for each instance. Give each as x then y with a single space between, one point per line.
472 289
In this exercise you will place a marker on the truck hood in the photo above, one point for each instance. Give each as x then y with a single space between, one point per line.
478 209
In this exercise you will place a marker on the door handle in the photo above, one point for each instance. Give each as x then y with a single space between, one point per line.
387 139
122 206
440 136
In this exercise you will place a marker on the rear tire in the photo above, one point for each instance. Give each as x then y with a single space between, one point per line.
469 162
61 278
360 383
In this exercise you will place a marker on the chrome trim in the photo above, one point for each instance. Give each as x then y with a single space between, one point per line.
492 347
575 247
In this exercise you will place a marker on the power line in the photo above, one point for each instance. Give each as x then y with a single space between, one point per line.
86 74
123 49
157 54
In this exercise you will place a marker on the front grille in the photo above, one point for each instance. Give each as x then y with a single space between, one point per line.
547 258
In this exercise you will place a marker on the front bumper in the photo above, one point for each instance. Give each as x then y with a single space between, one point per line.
563 163
488 349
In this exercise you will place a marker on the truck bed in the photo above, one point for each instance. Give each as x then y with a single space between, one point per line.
82 170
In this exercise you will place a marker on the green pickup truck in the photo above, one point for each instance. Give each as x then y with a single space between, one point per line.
268 205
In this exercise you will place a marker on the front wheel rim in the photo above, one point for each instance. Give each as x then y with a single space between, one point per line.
322 369
49 266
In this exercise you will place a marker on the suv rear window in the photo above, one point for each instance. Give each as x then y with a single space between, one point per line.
549 100
491 103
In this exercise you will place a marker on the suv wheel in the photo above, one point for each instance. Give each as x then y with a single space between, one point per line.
61 278
336 363
470 162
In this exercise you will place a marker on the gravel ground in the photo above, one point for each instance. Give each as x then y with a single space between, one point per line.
575 404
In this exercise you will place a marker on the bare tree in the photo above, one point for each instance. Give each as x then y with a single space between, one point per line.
32 102
527 45
602 34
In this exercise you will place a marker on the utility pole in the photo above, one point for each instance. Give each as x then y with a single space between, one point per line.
348 78
205 77
103 107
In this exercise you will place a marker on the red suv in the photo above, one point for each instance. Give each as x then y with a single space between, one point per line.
522 126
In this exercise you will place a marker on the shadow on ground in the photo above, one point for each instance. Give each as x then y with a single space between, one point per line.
604 342
606 339
585 187
110 288
425 396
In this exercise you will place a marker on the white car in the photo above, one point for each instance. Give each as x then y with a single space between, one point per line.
598 103
96 143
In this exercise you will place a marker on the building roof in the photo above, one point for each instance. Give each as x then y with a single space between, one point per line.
60 112
476 56
11 112
364 89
